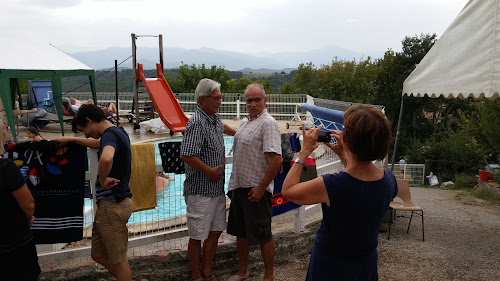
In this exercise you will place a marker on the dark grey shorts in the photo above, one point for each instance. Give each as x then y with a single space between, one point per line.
250 219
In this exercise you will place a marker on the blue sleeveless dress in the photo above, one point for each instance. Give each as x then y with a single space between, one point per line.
345 247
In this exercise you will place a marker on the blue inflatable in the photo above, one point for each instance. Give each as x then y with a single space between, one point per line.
330 118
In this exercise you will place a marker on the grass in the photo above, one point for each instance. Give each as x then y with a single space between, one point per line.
466 185
485 195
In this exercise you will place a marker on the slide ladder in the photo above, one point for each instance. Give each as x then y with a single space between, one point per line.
164 100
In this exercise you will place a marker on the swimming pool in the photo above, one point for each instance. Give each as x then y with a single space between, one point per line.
170 202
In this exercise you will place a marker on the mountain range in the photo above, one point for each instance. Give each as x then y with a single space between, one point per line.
233 61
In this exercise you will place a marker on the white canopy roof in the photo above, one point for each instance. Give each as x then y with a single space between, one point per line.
465 61
25 55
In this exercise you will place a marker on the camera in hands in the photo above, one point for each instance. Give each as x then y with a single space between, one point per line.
324 136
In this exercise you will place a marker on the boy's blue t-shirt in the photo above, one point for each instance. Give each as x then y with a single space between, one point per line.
121 169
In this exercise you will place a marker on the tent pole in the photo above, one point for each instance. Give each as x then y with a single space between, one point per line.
57 97
135 106
6 97
92 87
116 95
397 134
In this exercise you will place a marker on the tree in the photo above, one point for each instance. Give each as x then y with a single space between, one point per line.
286 89
305 79
189 76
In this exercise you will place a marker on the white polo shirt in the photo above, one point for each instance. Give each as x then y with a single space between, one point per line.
253 139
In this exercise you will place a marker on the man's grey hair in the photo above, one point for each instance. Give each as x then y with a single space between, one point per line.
256 85
205 88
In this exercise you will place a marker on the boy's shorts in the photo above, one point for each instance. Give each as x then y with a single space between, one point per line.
110 232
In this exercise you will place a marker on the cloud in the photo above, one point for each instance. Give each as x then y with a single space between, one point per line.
351 20
243 26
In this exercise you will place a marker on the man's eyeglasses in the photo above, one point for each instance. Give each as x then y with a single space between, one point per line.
217 98
256 100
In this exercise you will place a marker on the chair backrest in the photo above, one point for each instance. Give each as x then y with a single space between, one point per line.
404 191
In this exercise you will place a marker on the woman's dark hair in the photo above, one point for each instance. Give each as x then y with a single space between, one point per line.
90 111
367 133
33 130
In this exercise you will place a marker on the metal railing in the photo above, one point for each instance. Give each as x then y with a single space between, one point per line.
281 107
152 230
413 173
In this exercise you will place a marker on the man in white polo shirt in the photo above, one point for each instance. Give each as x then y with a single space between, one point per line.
256 160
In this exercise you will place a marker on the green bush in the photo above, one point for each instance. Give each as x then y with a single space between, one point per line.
465 180
453 155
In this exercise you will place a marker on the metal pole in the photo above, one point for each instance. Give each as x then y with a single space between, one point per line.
116 95
397 134
134 73
161 52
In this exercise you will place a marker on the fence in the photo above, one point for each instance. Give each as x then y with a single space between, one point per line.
281 107
165 226
154 229
413 173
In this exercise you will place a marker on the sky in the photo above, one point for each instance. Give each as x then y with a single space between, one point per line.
253 26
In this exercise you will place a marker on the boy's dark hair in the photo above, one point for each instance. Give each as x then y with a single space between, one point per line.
90 111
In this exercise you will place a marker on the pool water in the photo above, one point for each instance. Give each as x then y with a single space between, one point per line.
170 202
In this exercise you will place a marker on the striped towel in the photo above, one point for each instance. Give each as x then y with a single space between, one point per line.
56 179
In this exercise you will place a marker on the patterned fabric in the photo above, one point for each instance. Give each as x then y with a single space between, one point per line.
251 142
56 179
281 204
204 139
170 153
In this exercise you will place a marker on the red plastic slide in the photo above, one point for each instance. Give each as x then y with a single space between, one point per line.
164 100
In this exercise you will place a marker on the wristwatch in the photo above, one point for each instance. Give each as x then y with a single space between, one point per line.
297 160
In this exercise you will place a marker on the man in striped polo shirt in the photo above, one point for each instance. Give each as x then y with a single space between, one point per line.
203 151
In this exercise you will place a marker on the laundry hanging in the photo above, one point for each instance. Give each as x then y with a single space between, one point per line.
170 153
56 179
143 176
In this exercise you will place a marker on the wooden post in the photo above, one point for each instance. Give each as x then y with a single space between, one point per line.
160 37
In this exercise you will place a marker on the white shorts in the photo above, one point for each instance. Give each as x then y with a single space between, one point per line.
205 214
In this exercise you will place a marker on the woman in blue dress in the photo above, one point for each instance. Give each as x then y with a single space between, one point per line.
354 201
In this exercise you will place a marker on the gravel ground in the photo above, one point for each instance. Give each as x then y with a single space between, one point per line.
461 243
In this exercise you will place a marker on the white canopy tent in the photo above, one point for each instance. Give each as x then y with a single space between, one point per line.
465 60
24 59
